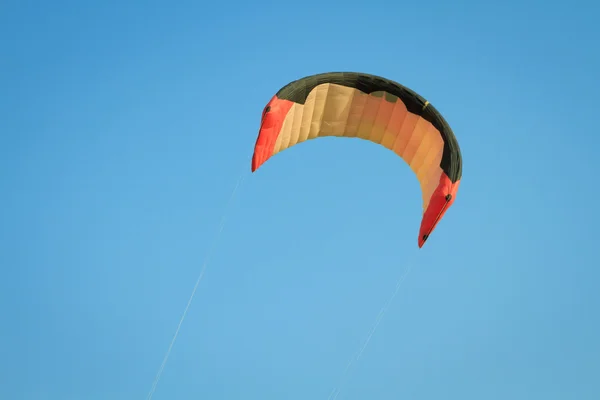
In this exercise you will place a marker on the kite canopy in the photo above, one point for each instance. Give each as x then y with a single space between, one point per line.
356 105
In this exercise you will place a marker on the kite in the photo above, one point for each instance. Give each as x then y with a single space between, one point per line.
373 108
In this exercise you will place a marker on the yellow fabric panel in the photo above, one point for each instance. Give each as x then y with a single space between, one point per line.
335 110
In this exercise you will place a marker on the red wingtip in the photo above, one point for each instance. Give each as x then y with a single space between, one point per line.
441 200
270 125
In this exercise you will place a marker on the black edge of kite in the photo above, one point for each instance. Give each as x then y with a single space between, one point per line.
451 162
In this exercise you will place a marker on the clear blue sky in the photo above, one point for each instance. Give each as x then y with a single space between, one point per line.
125 126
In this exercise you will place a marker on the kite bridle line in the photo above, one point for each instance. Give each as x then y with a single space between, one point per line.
207 258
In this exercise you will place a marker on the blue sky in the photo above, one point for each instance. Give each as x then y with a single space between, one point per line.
125 126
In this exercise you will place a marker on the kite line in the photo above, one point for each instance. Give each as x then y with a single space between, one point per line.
207 259
336 390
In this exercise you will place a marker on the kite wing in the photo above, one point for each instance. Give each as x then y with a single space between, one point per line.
356 105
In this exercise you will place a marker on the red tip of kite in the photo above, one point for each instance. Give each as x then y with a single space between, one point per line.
270 126
441 199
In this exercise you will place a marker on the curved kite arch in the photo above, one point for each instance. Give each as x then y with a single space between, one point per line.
369 107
